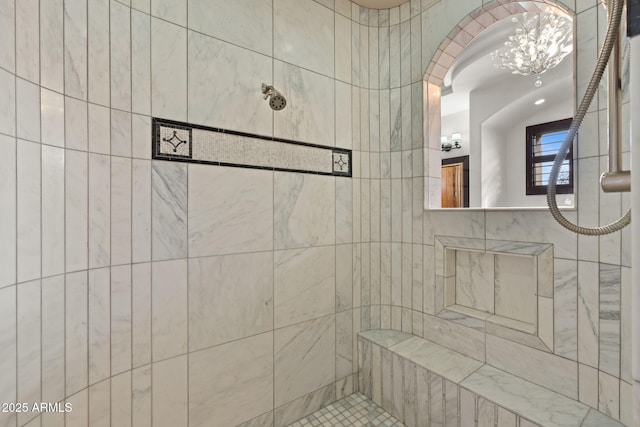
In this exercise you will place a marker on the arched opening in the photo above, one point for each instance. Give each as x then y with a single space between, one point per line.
483 183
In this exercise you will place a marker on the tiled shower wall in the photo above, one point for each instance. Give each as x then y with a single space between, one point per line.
156 293
143 290
592 327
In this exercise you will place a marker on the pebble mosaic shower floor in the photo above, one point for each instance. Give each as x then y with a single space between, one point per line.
352 411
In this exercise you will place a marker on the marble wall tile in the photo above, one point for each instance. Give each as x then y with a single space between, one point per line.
141 314
588 385
467 341
140 141
407 280
363 48
303 358
344 346
76 332
416 48
141 211
224 86
99 404
304 210
588 313
610 276
474 281
99 129
451 403
7 103
344 210
53 330
344 277
168 70
304 284
304 35
28 211
467 408
170 389
246 23
343 115
52 117
515 288
627 407
121 215
506 418
626 326
169 211
458 224
99 325
303 406
121 319
173 11
374 70
227 300
27 110
547 370
141 62
436 398
609 395
52 170
97 57
565 310
215 227
120 49
169 308
394 56
27 38
99 210
530 226
121 399
397 365
405 53
75 45
8 351
343 48
410 390
141 396
76 210
120 133
355 54
75 124
309 115
265 420
231 383
486 413
80 403
29 354
8 33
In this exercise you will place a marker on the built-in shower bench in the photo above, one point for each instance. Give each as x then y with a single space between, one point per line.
423 383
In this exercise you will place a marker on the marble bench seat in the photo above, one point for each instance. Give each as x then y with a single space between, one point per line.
461 390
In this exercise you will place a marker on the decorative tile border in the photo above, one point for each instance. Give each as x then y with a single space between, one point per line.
184 142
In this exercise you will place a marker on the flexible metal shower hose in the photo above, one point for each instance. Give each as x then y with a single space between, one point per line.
615 14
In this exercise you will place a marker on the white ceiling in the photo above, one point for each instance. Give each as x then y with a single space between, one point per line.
474 68
380 4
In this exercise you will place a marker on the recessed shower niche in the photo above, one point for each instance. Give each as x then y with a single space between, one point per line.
503 288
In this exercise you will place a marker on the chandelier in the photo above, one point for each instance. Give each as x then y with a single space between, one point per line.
540 43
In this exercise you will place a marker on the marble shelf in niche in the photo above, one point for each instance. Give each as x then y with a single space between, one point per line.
503 288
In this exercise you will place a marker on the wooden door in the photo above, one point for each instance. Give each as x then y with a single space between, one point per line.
452 190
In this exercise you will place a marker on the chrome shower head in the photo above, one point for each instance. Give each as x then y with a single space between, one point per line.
277 101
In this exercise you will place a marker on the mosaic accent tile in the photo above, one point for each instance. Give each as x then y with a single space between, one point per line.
352 411
179 141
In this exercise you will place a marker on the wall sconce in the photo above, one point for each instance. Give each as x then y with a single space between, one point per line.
456 139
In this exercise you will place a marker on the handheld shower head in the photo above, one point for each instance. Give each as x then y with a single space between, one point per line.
277 102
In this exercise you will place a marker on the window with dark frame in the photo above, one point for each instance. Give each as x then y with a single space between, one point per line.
543 142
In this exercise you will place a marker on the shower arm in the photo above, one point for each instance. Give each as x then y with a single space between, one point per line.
611 39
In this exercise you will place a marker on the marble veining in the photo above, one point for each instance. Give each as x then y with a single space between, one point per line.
526 399
447 363
384 338
169 207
